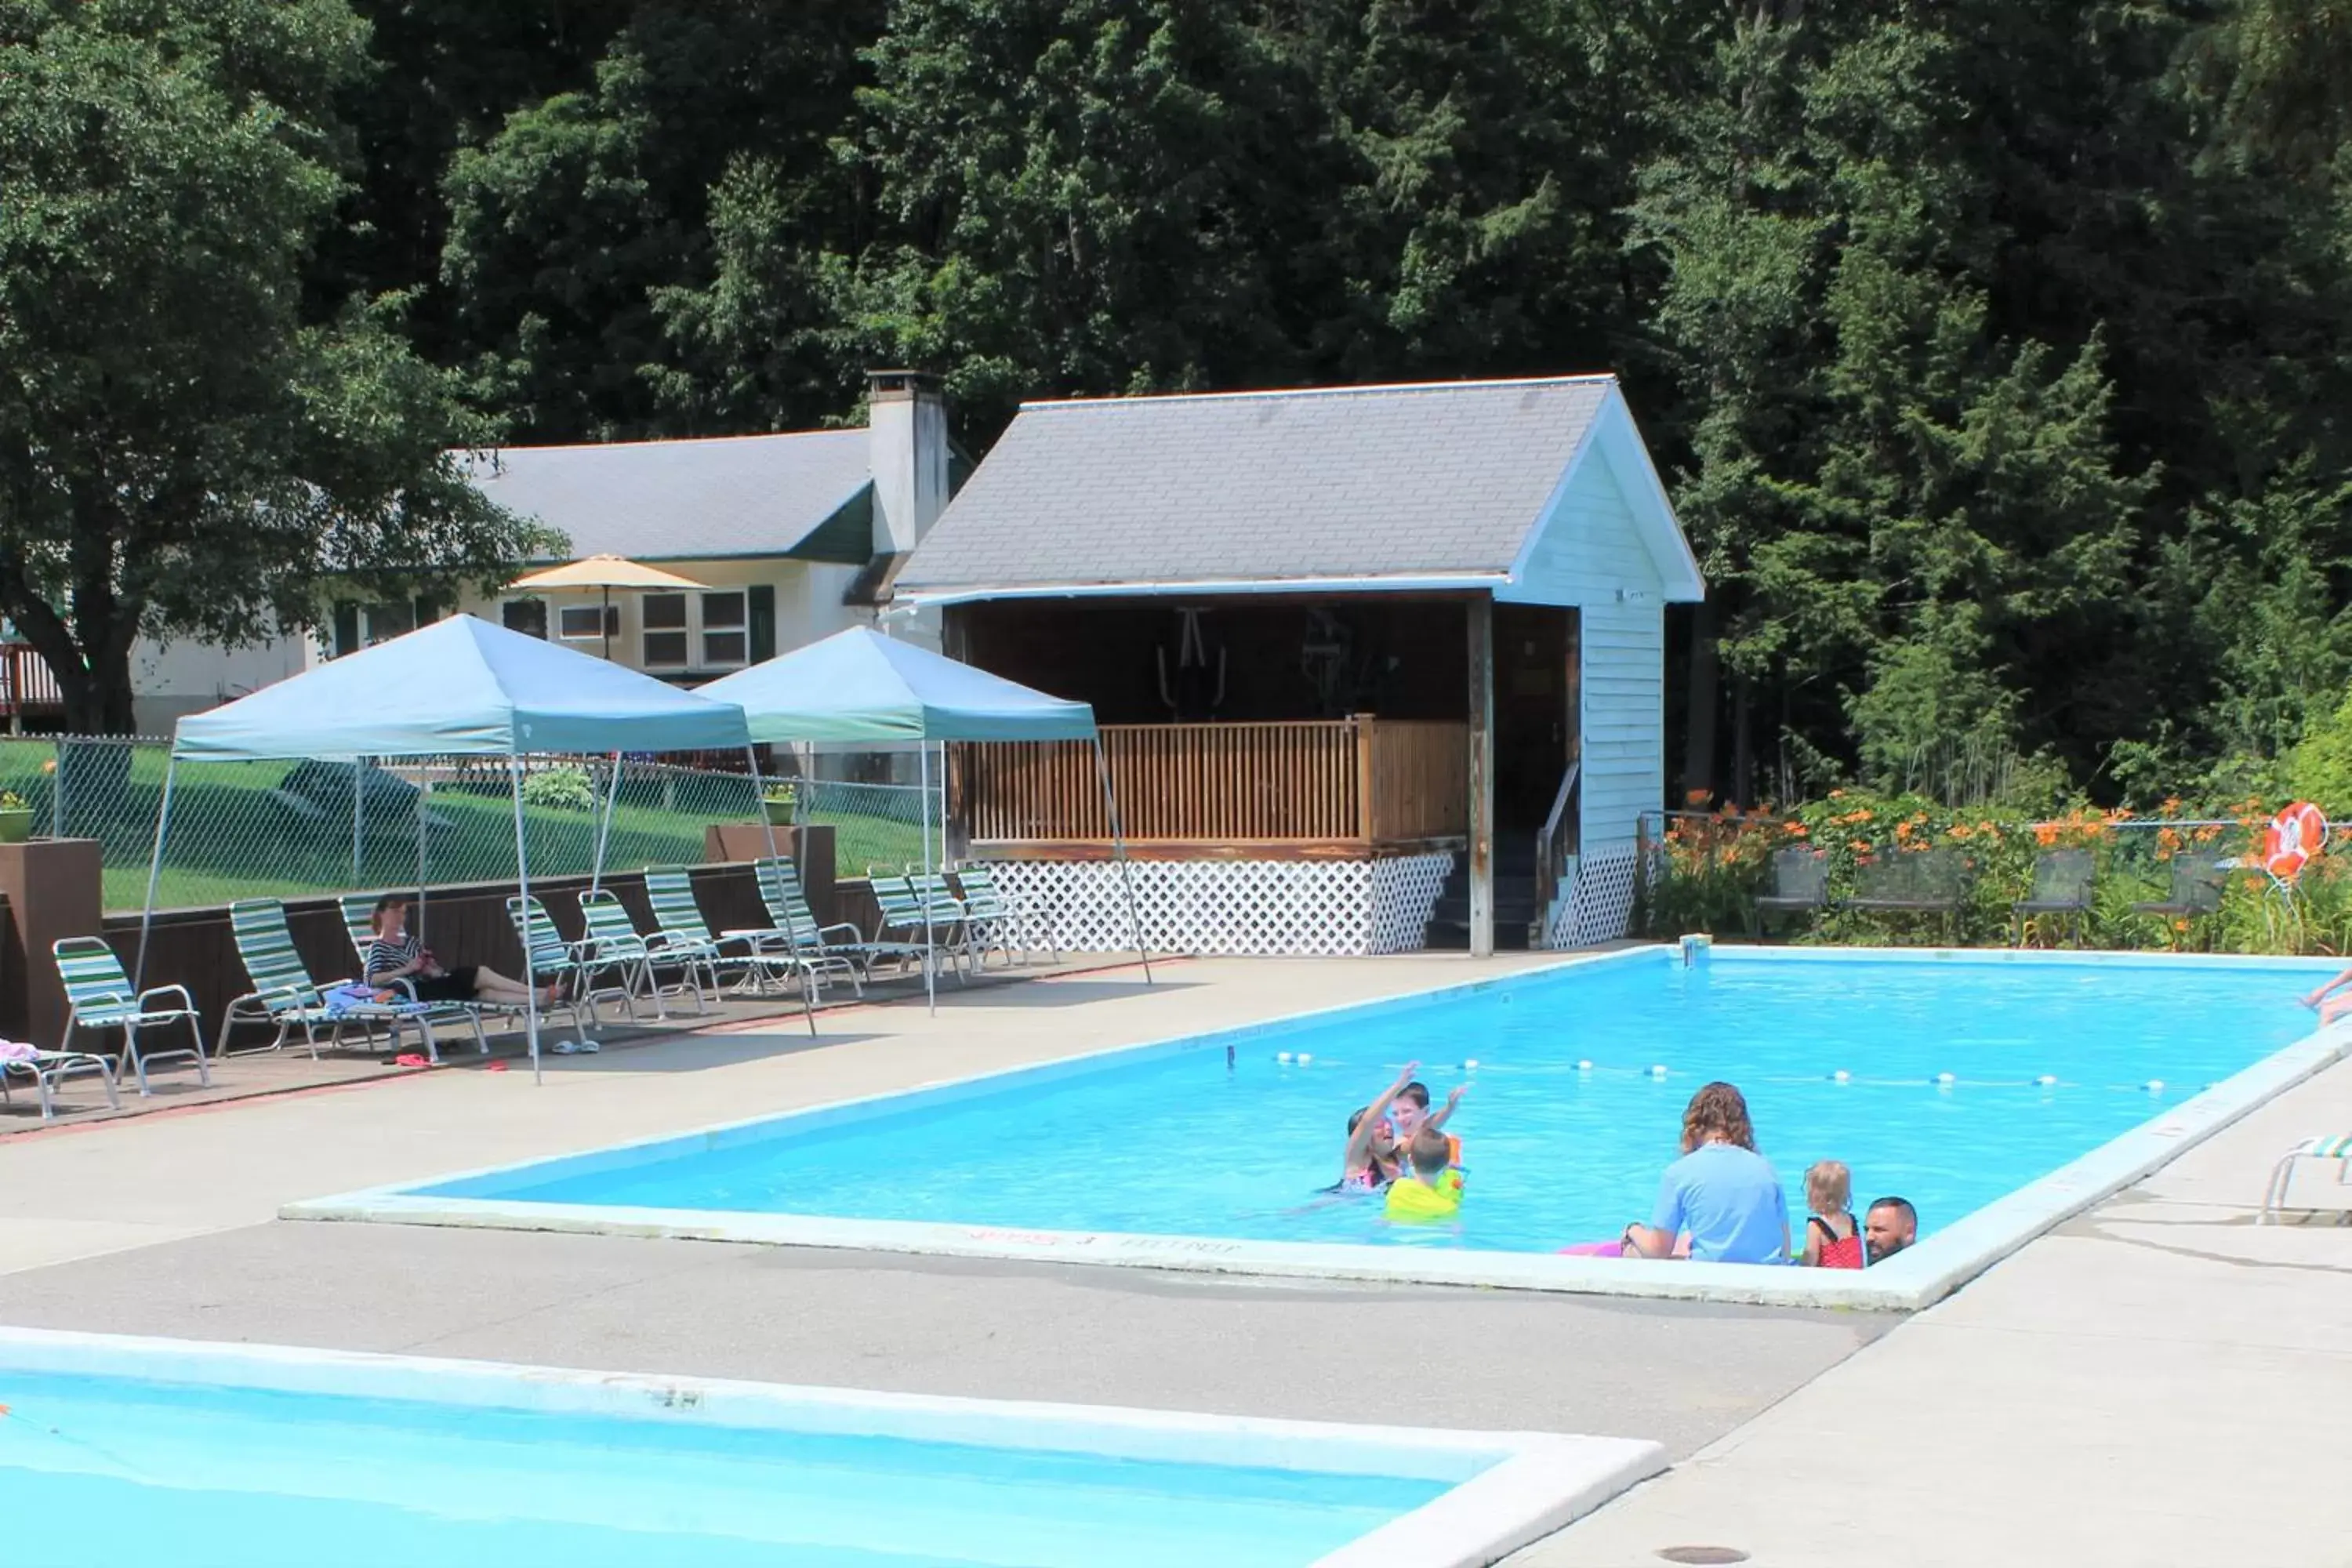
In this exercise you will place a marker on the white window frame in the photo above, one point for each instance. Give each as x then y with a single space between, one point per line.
685 629
610 617
704 630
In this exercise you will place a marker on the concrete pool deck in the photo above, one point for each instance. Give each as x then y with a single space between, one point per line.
2157 1382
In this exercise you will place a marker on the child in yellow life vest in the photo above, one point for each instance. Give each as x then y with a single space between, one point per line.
1433 1189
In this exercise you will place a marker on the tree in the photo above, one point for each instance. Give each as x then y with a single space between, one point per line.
182 452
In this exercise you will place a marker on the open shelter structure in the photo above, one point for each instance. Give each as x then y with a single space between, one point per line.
1376 667
460 686
859 686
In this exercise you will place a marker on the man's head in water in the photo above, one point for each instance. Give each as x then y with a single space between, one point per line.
1407 1109
1891 1225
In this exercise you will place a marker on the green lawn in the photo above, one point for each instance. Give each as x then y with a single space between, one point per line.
267 829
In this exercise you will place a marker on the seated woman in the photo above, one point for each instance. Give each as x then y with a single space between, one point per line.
1721 1193
396 955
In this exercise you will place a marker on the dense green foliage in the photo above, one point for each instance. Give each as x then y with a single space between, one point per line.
182 447
1999 353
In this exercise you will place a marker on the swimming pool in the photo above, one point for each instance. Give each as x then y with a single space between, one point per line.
1957 1081
116 1451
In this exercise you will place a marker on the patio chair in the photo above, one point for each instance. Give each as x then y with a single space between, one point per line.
1008 918
903 909
1799 885
2337 1151
2196 887
981 932
285 995
2064 882
613 938
1914 881
823 945
677 915
98 995
554 960
49 1069
359 927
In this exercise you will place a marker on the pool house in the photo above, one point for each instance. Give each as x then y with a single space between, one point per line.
1376 667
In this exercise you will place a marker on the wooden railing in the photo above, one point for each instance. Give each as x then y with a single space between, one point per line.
1333 782
27 685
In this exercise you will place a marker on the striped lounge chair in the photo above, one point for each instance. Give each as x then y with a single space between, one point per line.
2337 1151
98 995
613 940
49 1069
284 994
765 954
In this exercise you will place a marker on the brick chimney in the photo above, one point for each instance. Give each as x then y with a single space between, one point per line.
906 425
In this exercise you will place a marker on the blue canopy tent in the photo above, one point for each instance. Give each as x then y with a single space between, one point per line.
462 686
860 684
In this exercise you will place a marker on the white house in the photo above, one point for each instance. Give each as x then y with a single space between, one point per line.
792 537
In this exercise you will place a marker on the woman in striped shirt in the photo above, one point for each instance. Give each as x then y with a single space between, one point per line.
396 955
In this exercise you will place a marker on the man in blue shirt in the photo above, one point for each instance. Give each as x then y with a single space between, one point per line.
1721 1193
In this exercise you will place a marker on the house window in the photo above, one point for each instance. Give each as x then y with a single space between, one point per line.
528 616
586 623
357 625
723 630
666 635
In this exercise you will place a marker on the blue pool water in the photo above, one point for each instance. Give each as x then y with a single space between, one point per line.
108 1471
1179 1143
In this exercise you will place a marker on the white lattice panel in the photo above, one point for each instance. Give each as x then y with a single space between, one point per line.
1337 908
1600 906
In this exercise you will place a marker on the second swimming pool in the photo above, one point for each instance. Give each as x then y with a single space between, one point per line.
1951 1082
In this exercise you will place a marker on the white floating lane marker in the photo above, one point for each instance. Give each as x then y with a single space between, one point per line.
1841 1076
2048 1080
1282 1056
1470 1065
1304 1057
1658 1071
1584 1066
1947 1079
2156 1086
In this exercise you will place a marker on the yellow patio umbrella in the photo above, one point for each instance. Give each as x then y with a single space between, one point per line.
607 572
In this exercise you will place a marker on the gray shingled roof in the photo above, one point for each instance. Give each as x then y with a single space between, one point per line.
668 501
1345 482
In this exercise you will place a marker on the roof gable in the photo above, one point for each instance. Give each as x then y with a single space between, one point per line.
688 500
1434 484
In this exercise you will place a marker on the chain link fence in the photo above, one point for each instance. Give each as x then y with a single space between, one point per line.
289 828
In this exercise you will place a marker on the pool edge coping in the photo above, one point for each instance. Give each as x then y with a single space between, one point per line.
1504 1489
1921 1276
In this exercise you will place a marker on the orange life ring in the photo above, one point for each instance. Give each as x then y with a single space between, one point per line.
2295 838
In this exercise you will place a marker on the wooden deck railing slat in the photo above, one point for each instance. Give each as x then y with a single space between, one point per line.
1304 781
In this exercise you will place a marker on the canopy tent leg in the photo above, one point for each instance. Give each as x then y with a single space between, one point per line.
423 788
931 947
359 829
523 887
154 870
1119 852
760 800
604 828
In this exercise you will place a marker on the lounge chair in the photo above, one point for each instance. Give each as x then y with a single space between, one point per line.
1909 881
823 945
1799 885
285 995
614 938
764 955
2336 1149
988 903
49 1069
359 927
940 922
98 995
2064 882
552 959
2196 887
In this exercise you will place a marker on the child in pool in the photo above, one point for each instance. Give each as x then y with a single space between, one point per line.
1833 1240
1409 1112
1433 1190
